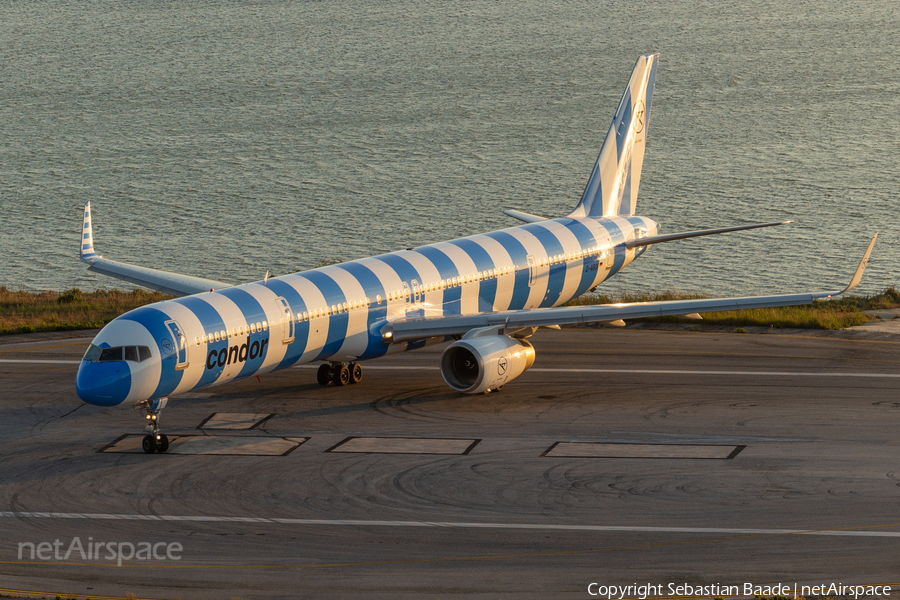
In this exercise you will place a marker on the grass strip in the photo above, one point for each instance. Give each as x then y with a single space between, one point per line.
28 312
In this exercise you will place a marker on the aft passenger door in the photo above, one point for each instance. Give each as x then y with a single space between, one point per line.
537 273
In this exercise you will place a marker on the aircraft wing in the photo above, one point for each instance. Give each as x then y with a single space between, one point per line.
163 281
510 321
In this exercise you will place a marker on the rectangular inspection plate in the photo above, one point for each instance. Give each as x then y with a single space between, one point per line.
234 420
603 450
212 445
398 445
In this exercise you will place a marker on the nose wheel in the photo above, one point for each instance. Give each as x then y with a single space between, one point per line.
155 440
339 374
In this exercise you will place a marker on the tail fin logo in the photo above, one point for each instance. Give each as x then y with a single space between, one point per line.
612 188
639 116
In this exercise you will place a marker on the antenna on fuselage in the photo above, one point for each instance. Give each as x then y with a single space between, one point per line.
266 278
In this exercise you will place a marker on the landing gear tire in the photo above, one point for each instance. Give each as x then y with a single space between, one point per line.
340 374
323 375
149 444
154 441
356 372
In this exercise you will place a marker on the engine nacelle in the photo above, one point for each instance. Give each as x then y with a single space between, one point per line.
475 365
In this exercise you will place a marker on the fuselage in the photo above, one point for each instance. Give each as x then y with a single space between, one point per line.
337 313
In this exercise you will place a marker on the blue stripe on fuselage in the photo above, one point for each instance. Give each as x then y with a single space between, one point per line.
487 288
556 277
212 322
447 269
618 242
337 322
402 267
154 320
301 328
376 312
587 240
519 255
253 313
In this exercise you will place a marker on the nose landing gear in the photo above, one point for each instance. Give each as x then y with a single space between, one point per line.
339 374
154 441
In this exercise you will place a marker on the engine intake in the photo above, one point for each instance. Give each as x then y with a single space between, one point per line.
479 364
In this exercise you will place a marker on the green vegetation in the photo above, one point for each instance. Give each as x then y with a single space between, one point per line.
833 314
27 312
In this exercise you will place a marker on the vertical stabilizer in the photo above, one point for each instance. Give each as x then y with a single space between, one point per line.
87 236
613 186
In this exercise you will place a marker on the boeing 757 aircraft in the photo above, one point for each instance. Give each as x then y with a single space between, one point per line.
485 293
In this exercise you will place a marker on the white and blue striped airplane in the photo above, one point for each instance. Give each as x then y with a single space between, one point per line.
486 293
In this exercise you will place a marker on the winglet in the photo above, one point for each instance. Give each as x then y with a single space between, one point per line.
861 268
87 236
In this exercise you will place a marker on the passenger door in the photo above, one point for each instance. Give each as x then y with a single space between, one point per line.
287 316
179 345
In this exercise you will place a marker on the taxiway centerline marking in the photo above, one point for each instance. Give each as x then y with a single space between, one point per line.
449 524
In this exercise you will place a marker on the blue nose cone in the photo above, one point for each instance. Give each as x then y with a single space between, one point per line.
103 384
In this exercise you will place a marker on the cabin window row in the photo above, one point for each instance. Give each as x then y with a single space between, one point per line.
445 284
218 336
581 254
334 309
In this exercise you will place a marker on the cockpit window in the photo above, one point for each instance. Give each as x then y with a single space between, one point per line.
111 354
129 353
92 354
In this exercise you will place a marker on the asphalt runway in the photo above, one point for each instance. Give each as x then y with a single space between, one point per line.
621 457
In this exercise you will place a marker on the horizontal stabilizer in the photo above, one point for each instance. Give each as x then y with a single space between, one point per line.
659 239
523 216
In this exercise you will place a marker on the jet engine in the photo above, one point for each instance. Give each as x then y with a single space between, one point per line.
480 364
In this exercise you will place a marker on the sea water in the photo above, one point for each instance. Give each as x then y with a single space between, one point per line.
226 139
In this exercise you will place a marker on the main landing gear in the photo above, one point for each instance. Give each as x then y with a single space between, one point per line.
339 374
154 441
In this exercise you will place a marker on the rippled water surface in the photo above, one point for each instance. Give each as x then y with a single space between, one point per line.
224 139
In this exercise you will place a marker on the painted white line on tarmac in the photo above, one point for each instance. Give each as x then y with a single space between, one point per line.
41 362
652 371
448 524
540 370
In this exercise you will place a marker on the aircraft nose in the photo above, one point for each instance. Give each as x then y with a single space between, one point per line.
103 383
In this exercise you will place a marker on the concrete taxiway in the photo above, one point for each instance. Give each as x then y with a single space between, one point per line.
621 457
